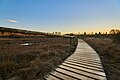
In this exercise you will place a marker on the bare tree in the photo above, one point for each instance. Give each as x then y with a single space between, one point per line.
113 31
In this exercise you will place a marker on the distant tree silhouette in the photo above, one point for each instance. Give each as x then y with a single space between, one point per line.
99 33
91 33
116 34
117 31
59 33
95 33
53 33
84 33
113 31
106 33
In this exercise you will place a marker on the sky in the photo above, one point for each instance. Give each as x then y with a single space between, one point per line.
61 15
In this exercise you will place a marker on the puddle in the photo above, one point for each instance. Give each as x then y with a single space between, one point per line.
26 44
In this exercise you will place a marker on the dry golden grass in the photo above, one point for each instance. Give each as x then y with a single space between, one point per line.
34 61
109 52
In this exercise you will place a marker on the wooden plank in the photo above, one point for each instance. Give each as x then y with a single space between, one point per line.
88 65
80 77
86 62
62 76
88 70
86 74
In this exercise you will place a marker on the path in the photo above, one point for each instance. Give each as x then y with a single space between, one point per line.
84 64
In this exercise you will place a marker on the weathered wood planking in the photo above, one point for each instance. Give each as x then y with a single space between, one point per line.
84 64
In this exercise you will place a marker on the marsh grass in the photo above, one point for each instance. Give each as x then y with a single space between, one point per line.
33 61
109 52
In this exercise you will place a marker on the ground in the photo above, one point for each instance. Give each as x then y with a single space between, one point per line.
109 52
32 58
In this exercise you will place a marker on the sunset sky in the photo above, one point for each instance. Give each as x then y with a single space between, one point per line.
61 15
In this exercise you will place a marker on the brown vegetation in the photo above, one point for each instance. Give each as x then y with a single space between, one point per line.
18 32
30 62
109 52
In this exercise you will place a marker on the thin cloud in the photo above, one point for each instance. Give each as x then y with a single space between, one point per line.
13 21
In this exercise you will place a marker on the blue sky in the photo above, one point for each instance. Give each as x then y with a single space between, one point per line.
61 15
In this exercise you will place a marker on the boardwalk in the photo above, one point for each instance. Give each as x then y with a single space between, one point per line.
84 64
